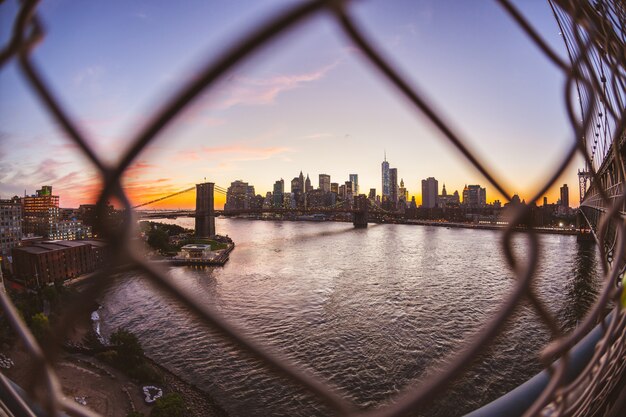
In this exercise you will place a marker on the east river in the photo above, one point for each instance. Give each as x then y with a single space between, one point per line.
369 310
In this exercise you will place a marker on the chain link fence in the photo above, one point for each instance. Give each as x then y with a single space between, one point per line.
594 32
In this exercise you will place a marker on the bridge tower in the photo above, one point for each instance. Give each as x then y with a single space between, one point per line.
205 212
361 204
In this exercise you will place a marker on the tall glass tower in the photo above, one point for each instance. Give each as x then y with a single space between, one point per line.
385 176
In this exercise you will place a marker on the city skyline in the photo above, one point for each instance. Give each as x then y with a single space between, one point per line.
312 104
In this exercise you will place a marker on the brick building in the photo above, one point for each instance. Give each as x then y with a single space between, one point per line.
46 262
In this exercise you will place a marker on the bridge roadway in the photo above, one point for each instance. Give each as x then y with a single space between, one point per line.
192 213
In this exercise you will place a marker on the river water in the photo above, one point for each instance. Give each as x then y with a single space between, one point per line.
369 310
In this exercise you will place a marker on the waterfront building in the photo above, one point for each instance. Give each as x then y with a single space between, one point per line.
474 196
268 201
239 196
393 186
307 184
195 251
354 179
349 190
279 191
289 201
10 229
324 184
430 191
386 184
334 188
564 196
48 262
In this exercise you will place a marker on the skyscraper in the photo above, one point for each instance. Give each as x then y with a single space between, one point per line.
565 196
354 178
307 184
393 185
325 183
403 193
474 196
430 191
385 177
279 192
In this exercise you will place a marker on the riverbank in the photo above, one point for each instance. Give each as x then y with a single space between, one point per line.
98 385
436 223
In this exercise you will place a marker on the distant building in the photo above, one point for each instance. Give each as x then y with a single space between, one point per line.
386 184
324 184
430 191
239 196
474 196
393 186
10 228
349 190
278 194
295 185
88 214
565 196
42 216
342 191
56 261
354 179
307 184
372 194
403 193
334 188
448 200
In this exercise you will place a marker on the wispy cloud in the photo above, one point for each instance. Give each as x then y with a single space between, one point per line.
262 91
88 75
318 136
233 153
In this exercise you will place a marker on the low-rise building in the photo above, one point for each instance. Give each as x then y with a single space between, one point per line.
47 262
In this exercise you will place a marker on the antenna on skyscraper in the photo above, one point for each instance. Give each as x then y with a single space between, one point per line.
385 155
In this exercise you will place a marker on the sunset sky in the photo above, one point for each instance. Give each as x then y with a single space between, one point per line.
308 101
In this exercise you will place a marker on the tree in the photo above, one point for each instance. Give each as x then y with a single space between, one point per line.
130 352
170 405
158 239
40 325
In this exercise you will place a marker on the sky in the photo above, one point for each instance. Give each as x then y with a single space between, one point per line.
308 101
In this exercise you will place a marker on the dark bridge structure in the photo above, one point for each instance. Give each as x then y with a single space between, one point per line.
585 370
360 208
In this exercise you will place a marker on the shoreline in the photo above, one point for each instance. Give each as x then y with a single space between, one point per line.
435 223
197 402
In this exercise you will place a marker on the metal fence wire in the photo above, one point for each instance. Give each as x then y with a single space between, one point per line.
594 95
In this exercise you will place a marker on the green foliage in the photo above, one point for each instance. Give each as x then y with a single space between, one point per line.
109 356
170 405
135 414
127 356
40 325
145 373
128 348
158 239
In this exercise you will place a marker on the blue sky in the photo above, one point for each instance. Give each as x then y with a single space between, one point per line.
308 101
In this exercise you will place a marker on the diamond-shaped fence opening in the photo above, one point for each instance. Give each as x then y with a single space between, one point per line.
594 34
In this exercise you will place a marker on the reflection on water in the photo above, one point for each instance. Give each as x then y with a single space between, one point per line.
582 288
368 310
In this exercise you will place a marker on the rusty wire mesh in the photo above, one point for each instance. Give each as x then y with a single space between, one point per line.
594 32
